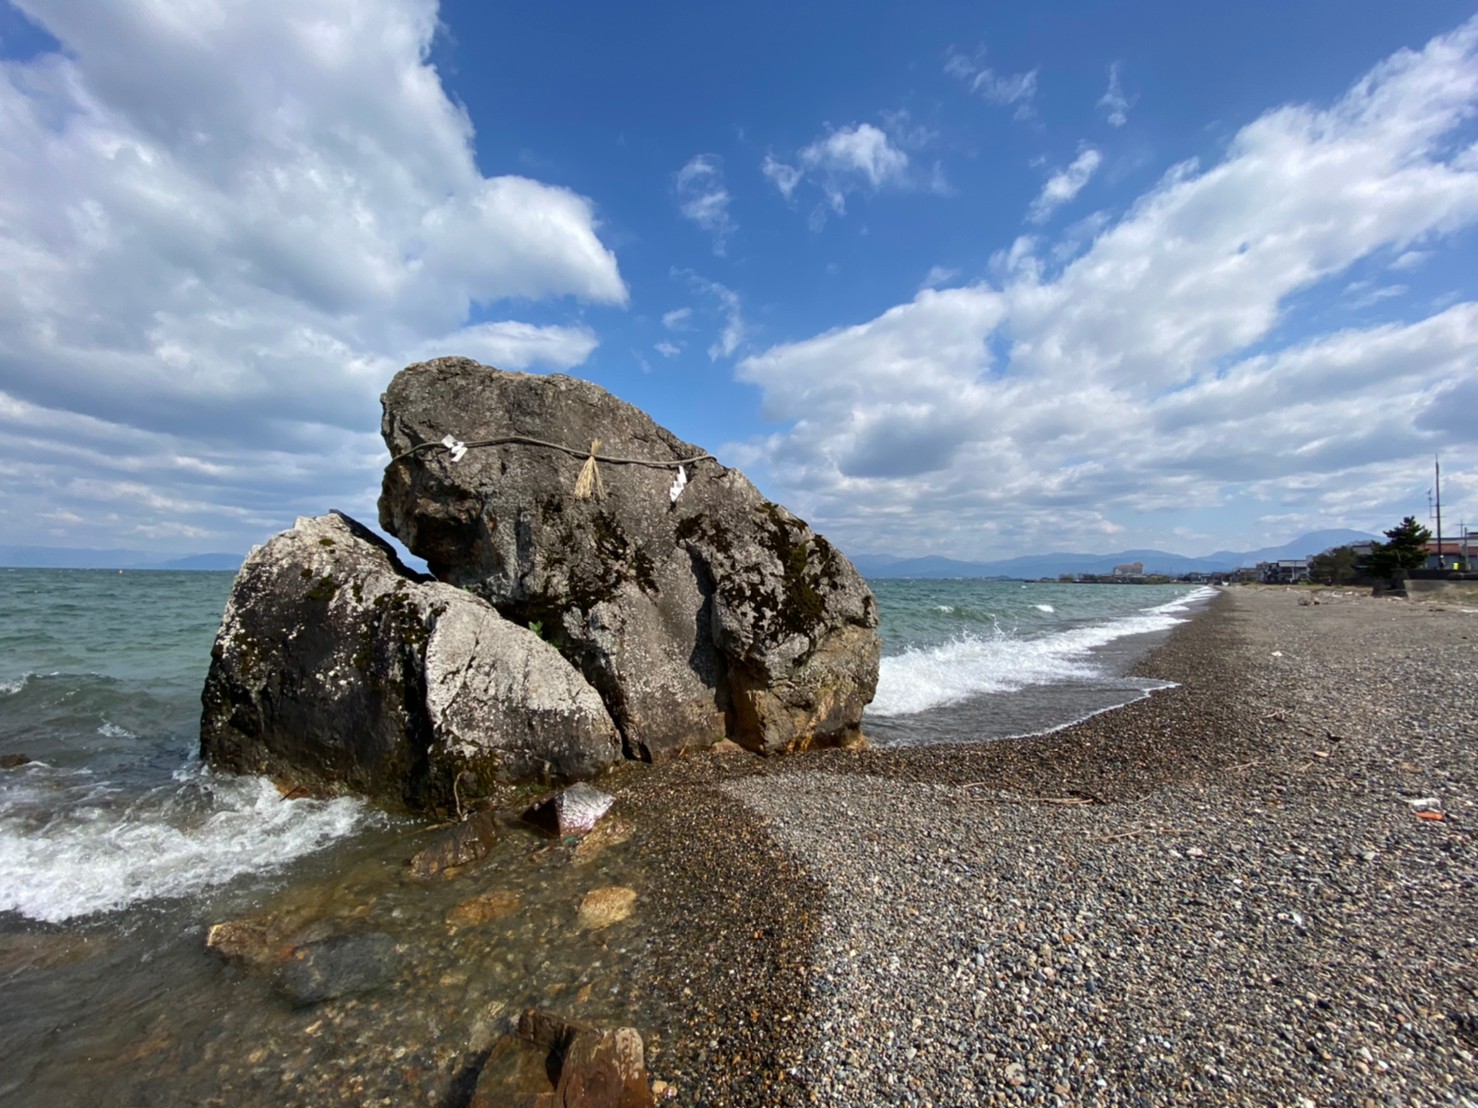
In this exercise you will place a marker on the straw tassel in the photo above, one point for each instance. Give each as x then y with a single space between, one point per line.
588 484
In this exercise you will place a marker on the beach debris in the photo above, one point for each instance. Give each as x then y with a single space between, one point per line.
604 906
696 608
1424 802
571 811
339 669
460 845
1428 815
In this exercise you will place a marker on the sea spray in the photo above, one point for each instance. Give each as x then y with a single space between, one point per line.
1014 647
72 845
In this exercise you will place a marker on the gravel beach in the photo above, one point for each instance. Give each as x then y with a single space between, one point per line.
1235 891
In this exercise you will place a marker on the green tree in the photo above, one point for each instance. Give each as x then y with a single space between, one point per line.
1407 549
1336 566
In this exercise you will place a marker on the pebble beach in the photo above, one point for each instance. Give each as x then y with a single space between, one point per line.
1258 886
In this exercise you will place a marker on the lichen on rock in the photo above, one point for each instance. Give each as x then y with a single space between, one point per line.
718 614
388 684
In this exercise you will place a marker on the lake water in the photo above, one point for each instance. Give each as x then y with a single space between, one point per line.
117 848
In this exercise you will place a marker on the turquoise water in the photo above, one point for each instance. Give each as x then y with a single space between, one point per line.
100 678
118 850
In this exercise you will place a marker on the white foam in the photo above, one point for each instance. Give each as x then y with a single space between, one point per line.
206 829
8 688
973 665
1044 607
111 730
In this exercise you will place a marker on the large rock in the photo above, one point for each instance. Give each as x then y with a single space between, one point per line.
338 669
718 614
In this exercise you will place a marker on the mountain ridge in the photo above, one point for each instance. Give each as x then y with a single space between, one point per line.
66 557
1027 566
1032 566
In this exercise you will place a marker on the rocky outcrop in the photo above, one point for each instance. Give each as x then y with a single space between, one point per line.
715 613
338 669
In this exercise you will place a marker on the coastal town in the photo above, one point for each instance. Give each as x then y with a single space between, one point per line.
1445 557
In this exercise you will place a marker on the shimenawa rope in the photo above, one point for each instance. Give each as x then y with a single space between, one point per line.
586 485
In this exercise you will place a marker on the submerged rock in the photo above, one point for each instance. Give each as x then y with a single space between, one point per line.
335 967
339 669
699 611
467 842
604 906
553 1061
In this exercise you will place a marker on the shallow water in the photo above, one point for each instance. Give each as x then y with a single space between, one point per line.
117 851
134 1001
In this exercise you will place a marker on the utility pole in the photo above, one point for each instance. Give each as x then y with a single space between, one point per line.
1436 461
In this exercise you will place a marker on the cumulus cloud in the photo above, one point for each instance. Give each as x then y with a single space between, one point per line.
1063 185
1003 89
703 198
222 227
1155 372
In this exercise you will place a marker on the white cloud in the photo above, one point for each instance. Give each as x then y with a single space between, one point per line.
668 349
703 198
857 158
1113 101
938 275
1063 185
678 319
862 149
1122 382
784 177
223 226
728 306
517 346
1002 89
1411 259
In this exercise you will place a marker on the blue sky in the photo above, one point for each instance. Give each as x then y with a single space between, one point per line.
972 280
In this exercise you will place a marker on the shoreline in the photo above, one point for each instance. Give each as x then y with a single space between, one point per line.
1183 897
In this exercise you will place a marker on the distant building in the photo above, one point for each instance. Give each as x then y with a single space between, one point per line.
1285 571
1129 569
1449 553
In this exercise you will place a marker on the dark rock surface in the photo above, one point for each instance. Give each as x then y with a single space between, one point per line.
718 614
339 966
338 669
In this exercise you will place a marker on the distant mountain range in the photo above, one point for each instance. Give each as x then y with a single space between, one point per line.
1029 567
1033 566
61 557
